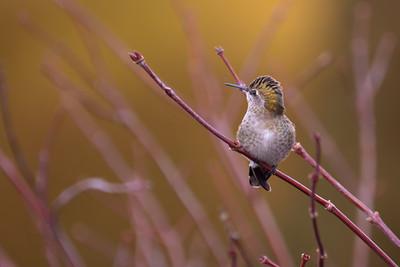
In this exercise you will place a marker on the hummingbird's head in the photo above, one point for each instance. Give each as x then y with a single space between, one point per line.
264 91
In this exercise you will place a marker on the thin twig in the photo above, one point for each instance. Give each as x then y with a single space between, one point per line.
139 59
313 211
220 52
304 259
96 184
267 261
10 133
272 24
253 59
234 238
232 255
5 260
44 155
323 61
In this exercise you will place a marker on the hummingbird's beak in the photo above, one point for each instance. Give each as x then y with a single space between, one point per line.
242 88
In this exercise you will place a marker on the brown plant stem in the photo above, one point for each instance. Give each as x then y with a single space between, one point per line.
313 211
235 238
233 255
267 261
5 260
10 133
324 60
220 52
44 155
304 259
96 184
263 42
139 59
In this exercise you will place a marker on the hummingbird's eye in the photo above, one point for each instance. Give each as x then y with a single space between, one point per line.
253 91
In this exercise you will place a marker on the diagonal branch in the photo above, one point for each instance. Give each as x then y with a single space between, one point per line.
139 59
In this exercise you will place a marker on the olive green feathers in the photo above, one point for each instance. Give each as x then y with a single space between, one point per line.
271 91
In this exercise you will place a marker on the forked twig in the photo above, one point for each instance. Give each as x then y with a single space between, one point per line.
373 216
139 59
313 211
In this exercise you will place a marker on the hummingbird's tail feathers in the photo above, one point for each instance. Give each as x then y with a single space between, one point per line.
259 177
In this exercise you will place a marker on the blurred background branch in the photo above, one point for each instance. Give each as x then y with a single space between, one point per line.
337 68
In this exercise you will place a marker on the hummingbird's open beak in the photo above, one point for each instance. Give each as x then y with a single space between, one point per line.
242 88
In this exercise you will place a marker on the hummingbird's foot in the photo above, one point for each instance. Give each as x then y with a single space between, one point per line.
273 170
236 146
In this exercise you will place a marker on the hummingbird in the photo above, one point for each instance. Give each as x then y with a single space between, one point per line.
265 132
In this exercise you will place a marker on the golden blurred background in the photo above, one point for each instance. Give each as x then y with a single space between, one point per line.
177 37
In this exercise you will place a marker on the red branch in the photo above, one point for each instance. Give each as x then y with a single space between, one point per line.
313 212
139 59
266 261
220 52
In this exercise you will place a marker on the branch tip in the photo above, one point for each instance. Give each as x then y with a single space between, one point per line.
305 257
219 50
136 57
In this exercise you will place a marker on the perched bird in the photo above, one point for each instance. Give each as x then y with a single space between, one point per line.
265 132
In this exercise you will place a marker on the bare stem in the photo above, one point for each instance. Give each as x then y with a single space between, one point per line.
44 155
220 52
233 255
10 133
304 259
267 261
235 238
313 212
139 59
97 184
